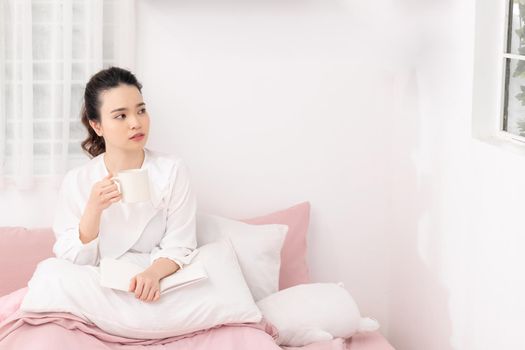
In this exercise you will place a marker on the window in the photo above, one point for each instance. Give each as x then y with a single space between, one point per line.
513 101
48 51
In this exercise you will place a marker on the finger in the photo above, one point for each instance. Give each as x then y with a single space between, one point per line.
139 288
108 192
132 284
105 201
107 179
109 188
145 292
157 296
148 289
111 195
151 294
106 182
114 200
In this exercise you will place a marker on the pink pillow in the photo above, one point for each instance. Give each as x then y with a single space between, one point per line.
21 249
294 269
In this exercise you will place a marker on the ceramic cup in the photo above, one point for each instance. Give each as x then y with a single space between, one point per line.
133 184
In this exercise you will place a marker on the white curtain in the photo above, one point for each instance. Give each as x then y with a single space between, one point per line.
48 51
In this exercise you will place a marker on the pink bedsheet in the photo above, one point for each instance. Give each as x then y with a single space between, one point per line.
49 331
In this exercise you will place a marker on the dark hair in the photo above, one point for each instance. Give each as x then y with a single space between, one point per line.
100 82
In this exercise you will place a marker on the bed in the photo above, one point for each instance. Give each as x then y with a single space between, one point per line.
20 251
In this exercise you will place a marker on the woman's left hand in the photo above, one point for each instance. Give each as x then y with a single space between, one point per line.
146 286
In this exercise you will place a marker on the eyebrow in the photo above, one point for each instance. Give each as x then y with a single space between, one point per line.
124 108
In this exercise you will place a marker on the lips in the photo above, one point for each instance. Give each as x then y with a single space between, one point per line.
137 135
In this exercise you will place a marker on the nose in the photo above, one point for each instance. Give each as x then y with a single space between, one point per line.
133 122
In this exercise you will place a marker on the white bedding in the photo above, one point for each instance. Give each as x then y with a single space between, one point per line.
61 286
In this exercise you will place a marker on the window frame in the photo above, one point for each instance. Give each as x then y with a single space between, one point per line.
490 31
505 79
504 55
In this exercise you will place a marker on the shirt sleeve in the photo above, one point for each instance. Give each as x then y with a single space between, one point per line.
179 242
66 228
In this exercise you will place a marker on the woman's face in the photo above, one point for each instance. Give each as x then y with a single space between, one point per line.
122 115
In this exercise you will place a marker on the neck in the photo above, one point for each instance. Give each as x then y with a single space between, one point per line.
117 160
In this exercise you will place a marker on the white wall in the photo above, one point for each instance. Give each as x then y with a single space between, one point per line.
456 279
276 102
431 174
29 208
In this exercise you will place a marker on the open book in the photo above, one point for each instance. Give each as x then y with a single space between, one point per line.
117 274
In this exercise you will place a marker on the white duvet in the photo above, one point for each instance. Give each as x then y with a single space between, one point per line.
58 285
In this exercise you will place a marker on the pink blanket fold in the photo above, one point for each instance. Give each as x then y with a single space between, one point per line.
54 330
60 330
57 330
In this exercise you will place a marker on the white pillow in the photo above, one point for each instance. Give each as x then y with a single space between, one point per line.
258 248
59 285
313 312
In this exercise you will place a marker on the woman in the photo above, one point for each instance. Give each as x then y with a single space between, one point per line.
92 222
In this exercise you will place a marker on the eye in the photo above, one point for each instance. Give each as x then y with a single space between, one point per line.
123 116
142 110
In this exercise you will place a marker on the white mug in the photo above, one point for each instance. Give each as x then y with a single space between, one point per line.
133 184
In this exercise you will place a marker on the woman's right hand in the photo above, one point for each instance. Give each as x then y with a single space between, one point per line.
103 194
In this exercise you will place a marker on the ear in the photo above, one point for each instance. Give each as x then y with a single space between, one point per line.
96 126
